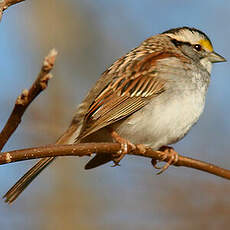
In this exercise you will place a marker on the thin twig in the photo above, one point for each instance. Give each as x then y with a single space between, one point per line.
4 4
86 149
27 96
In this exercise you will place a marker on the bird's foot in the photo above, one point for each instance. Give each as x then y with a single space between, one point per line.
166 152
125 147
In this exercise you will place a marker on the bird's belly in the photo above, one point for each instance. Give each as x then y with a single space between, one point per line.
163 122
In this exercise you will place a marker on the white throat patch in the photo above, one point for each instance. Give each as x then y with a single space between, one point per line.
207 64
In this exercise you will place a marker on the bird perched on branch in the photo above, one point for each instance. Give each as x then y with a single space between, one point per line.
153 95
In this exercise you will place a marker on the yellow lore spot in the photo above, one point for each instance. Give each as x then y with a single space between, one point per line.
206 45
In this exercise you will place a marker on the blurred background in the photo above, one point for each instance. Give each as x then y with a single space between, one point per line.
91 35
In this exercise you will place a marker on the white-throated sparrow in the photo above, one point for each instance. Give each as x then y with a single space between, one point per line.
153 96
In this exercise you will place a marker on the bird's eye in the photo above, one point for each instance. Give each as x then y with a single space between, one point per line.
197 47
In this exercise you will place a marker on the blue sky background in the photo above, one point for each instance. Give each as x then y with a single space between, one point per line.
89 36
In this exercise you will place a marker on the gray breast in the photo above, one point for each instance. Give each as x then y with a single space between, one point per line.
169 116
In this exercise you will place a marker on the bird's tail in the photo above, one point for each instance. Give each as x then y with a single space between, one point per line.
25 180
67 138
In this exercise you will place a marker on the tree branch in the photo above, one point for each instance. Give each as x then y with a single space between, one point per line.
86 149
27 96
4 4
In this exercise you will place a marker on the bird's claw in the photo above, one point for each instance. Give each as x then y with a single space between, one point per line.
125 146
122 152
165 151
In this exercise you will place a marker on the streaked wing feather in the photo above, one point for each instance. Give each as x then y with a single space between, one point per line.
125 94
111 115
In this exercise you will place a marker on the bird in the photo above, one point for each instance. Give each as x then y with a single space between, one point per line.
152 95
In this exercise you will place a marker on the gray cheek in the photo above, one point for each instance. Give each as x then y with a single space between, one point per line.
189 52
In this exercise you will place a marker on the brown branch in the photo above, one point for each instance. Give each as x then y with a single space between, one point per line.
86 149
27 96
4 4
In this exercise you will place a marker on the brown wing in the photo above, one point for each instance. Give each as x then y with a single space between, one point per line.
125 94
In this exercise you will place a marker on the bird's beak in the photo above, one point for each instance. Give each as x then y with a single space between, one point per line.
215 57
